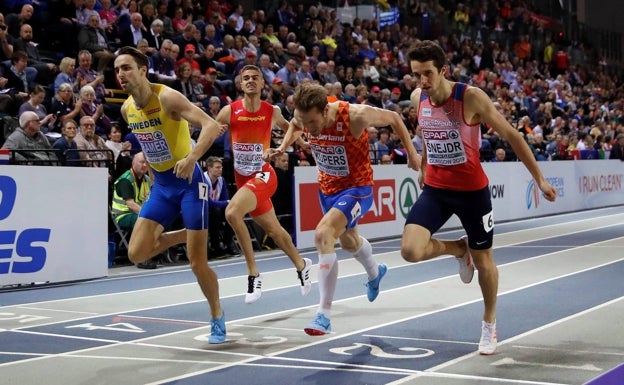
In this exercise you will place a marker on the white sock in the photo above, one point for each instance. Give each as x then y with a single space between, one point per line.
364 255
327 279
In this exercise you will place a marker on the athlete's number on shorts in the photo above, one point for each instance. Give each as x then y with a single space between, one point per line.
488 222
203 191
263 176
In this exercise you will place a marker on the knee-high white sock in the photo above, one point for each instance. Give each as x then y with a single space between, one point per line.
364 255
327 279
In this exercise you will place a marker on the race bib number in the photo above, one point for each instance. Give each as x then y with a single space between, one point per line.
444 148
332 160
247 157
155 146
203 191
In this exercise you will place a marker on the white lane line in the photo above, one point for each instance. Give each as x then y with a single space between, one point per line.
56 310
421 339
559 351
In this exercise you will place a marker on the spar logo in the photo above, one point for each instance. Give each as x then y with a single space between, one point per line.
533 194
21 251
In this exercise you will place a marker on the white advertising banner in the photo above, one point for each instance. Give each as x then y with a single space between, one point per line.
53 224
580 185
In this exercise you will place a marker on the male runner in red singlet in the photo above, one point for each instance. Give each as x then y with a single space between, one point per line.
250 123
338 136
453 180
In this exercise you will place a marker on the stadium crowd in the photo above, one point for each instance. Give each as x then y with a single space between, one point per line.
56 61
557 93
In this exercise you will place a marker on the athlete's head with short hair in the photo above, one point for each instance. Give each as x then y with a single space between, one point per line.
129 78
428 63
252 80
139 57
428 50
311 107
309 97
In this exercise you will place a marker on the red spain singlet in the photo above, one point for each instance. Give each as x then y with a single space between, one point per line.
452 144
343 160
251 136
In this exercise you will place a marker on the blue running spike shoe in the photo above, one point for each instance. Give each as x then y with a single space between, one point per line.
319 326
217 329
372 287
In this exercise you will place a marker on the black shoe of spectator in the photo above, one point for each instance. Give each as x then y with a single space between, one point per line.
149 264
233 250
214 254
181 253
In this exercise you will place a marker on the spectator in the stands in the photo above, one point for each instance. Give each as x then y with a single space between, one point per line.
183 81
500 155
65 106
28 136
35 104
250 59
267 69
215 87
90 107
93 147
14 21
17 80
46 69
114 141
161 14
88 76
617 151
288 73
66 146
214 106
148 12
164 66
155 36
108 18
189 57
185 38
66 75
93 39
221 235
180 20
6 41
174 52
136 31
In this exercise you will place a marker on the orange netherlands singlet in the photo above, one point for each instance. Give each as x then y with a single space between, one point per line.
343 160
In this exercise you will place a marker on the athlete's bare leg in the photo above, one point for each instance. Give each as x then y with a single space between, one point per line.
271 226
488 280
148 240
241 203
206 277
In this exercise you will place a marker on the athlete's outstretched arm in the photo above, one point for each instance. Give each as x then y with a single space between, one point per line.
293 133
478 101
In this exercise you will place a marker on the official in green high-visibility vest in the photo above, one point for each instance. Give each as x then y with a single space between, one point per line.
130 192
